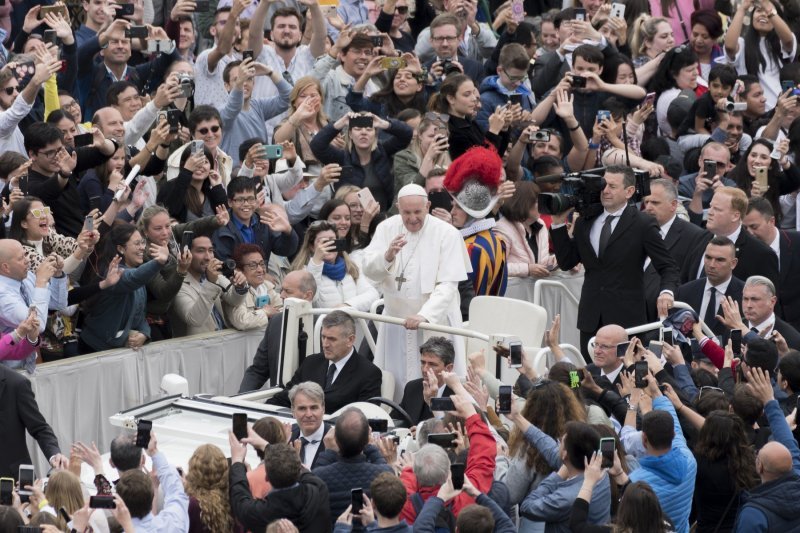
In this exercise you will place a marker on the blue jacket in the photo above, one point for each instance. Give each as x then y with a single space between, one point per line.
342 475
227 237
671 475
772 506
493 94
426 520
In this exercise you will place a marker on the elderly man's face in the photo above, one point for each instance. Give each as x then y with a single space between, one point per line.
413 210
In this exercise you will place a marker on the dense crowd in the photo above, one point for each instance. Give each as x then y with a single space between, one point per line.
172 168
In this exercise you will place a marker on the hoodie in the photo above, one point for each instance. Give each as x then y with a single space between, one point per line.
493 94
767 507
671 475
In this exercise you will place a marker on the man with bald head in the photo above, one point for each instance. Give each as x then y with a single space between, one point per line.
296 284
772 506
607 366
417 260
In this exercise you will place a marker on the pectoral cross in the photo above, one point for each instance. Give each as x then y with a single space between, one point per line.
400 280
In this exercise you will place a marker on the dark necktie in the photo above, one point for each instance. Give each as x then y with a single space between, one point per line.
533 238
605 235
303 443
711 310
329 377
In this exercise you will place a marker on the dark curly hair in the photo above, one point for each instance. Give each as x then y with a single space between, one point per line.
723 437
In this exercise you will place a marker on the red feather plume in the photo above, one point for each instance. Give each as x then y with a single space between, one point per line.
479 162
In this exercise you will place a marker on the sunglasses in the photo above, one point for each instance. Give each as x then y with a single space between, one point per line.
708 388
10 90
441 117
204 131
40 212
401 9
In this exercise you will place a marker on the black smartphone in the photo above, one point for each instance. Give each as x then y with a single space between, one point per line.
361 121
378 425
174 120
356 500
580 13
6 490
440 199
515 99
395 439
640 373
377 40
29 529
736 341
143 428
186 240
515 354
240 425
247 54
51 37
83 139
125 10
504 399
457 475
202 6
442 404
445 440
341 245
136 32
607 447
346 173
578 82
65 515
667 336
102 502
710 168
656 347
622 348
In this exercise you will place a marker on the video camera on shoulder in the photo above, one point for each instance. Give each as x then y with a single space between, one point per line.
588 186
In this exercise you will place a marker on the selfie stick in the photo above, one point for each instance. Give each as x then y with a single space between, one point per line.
131 176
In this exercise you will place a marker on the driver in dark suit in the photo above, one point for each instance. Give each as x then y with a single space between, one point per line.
20 413
345 375
613 247
436 355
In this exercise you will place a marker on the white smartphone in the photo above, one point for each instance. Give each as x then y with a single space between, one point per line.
618 10
26 478
365 197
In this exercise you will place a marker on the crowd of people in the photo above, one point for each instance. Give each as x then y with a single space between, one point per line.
173 168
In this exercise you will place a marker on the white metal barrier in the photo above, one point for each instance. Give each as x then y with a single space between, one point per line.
537 291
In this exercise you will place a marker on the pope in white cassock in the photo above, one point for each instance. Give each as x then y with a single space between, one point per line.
418 261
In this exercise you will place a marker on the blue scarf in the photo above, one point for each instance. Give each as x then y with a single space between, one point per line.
335 271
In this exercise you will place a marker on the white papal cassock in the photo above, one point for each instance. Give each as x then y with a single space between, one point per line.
431 264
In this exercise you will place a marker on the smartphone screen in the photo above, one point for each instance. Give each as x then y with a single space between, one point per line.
143 428
736 341
102 502
457 475
356 500
445 440
622 348
640 372
504 399
655 347
378 425
442 404
186 240
26 479
6 488
667 336
240 425
515 349
607 446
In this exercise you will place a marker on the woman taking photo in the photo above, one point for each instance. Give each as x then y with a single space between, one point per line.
404 91
262 300
116 317
459 99
197 191
207 487
339 282
768 32
428 150
677 72
98 185
306 118
369 163
360 217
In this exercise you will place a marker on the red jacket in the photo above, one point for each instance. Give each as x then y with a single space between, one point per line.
480 470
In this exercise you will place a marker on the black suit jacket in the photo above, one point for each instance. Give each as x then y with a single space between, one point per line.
603 381
789 289
20 412
755 259
692 294
613 289
359 380
320 448
680 241
265 362
790 334
414 403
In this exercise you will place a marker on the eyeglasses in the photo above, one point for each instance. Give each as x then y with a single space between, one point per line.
71 104
204 131
515 78
40 212
401 9
444 38
11 90
50 153
255 264
708 388
244 200
441 117
605 347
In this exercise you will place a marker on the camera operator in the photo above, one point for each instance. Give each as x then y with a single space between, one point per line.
613 247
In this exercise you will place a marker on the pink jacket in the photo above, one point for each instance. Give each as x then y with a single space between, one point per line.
11 351
518 253
681 10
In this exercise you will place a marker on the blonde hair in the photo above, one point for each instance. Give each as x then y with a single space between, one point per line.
64 490
645 28
301 85
306 252
344 190
443 159
207 482
349 141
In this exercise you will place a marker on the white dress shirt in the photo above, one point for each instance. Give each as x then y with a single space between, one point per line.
340 364
663 230
597 227
311 448
613 374
722 288
767 325
776 246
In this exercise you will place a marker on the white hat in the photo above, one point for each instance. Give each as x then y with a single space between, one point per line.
412 189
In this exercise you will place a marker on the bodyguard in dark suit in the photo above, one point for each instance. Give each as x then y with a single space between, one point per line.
680 237
19 413
613 247
725 216
345 375
436 355
760 222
